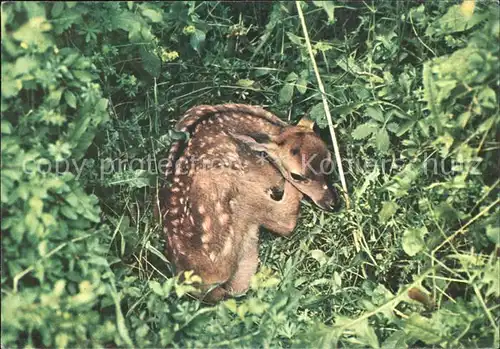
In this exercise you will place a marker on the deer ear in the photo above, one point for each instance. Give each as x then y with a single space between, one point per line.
256 141
306 123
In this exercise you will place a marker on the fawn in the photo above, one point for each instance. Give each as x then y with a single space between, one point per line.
243 168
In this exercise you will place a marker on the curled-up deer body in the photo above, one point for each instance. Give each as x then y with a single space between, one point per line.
242 168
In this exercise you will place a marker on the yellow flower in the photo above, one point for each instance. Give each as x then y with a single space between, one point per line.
467 8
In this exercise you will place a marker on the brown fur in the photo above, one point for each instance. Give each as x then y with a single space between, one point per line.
223 190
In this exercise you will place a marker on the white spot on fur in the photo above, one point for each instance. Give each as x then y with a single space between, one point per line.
218 207
223 219
228 247
201 209
207 223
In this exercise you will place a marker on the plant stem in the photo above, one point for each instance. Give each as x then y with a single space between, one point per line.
325 104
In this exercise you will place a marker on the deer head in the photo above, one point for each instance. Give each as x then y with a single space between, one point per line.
302 158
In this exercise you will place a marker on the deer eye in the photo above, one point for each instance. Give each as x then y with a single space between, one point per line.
295 151
298 178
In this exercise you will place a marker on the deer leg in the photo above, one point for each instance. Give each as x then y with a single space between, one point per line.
281 215
247 266
213 281
214 295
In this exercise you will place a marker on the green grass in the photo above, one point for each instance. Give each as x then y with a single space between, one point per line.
413 93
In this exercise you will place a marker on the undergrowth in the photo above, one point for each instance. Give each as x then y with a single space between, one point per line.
90 92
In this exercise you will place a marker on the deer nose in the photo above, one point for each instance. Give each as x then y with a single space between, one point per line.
333 202
333 205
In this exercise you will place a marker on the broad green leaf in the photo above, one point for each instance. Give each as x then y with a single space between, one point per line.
405 127
197 39
54 97
396 340
68 212
430 90
375 113
487 98
150 62
317 114
71 58
72 199
245 82
413 240
57 8
24 65
286 93
48 219
491 278
6 127
82 75
423 329
98 260
301 83
127 21
319 256
457 19
329 7
493 233
35 10
297 40
70 99
231 305
389 208
156 287
102 105
337 279
153 15
31 221
392 127
256 306
382 140
18 229
10 87
364 131
363 331
292 77
464 118
36 205
33 33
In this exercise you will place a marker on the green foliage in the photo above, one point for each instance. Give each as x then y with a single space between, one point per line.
90 92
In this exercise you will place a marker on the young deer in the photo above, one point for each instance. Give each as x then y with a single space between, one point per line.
224 189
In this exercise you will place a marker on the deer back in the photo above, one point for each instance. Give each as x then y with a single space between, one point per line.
229 117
